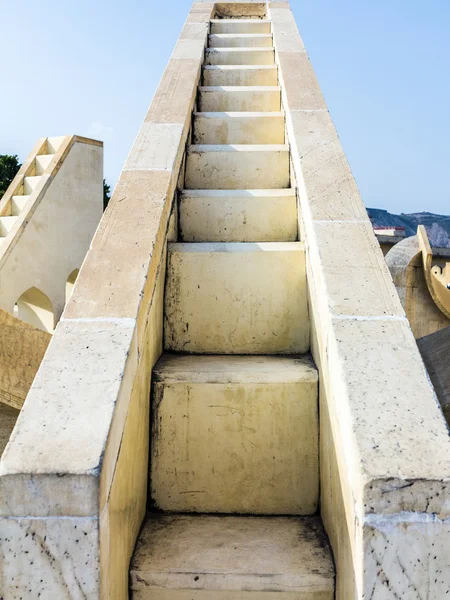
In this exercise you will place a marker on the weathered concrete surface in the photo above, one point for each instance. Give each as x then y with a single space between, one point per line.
238 216
209 284
235 435
186 557
435 351
22 348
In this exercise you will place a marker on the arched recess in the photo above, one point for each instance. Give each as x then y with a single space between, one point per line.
70 283
35 308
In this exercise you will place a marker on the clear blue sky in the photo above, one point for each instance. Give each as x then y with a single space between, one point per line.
91 68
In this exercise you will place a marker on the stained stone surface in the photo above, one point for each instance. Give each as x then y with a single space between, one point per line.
49 558
8 418
275 555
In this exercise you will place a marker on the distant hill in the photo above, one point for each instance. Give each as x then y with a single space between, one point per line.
437 226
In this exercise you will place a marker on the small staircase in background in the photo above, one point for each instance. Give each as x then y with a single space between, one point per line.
28 184
234 468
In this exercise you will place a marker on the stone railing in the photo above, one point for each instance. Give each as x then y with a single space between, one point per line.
73 480
385 448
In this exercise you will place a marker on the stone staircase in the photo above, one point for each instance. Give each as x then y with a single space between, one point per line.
24 190
234 467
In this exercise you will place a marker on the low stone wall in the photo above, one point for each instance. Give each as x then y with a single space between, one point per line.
22 348
73 480
385 448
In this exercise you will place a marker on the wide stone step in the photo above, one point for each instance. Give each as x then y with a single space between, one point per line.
238 128
240 26
240 40
239 56
237 167
249 75
239 98
238 216
236 298
235 434
232 558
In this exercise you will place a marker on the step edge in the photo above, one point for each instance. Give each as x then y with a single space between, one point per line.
241 35
229 148
240 67
238 114
240 21
282 192
279 583
239 88
234 247
240 49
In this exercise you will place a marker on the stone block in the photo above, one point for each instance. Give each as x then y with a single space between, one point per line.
238 216
235 435
237 167
209 284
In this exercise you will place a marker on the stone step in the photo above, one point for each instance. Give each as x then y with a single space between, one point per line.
235 434
6 224
249 75
54 143
239 98
180 557
18 203
239 298
238 216
238 128
239 56
237 167
30 184
240 26
240 40
42 161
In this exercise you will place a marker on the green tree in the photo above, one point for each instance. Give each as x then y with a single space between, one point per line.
106 194
9 165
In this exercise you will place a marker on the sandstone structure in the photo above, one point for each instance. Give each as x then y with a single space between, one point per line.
233 405
48 217
422 277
